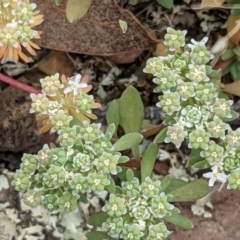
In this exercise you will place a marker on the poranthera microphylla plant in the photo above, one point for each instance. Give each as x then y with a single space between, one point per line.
194 109
84 158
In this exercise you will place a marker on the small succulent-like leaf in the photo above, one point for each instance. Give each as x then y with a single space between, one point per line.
236 50
123 174
148 160
76 9
123 159
111 188
111 129
235 115
96 219
179 220
129 174
161 136
57 2
228 54
234 71
112 114
166 3
131 110
93 235
83 199
202 164
191 191
165 182
123 25
194 157
175 184
127 141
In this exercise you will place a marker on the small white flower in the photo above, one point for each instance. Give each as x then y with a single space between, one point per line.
195 43
215 176
75 85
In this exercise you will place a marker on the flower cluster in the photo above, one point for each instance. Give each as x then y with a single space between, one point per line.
138 211
61 101
193 108
17 20
84 157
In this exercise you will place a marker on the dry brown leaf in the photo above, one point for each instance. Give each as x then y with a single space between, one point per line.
211 3
232 88
234 35
161 49
97 33
56 62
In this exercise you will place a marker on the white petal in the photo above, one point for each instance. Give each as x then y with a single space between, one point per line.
208 175
32 95
204 40
222 177
68 90
211 182
33 5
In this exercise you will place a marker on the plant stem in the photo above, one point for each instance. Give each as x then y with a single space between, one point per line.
18 85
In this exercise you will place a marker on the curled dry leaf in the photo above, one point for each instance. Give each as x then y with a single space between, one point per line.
211 3
233 28
97 33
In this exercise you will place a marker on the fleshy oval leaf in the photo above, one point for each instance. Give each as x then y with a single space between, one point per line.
191 191
128 141
148 160
179 220
76 9
131 110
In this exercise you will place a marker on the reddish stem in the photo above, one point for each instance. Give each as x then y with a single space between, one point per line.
18 85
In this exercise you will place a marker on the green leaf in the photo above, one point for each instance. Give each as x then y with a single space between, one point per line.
111 188
234 71
93 235
179 220
76 9
57 2
112 114
175 184
97 218
161 136
118 190
123 159
228 54
194 157
110 129
129 174
148 160
191 191
127 141
174 211
235 10
235 115
123 174
165 182
83 199
236 50
131 110
166 3
202 164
